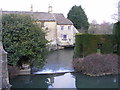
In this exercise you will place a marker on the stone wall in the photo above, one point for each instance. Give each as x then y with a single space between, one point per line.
4 80
0 71
0 50
4 69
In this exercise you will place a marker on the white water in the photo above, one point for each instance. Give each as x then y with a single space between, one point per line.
58 62
49 71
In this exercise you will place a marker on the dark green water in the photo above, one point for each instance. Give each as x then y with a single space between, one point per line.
67 80
60 61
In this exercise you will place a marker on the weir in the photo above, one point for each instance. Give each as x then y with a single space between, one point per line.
59 61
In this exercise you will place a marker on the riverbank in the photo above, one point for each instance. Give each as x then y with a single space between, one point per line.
97 64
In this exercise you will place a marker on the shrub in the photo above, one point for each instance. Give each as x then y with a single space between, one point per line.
23 40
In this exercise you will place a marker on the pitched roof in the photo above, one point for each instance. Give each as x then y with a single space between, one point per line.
44 16
61 20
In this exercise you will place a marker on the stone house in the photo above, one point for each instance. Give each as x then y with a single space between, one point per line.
59 30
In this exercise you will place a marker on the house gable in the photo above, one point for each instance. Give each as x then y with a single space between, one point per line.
61 20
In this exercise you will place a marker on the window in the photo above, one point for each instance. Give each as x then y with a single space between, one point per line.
62 27
69 27
64 37
42 24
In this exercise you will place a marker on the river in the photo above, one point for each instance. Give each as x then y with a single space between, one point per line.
58 73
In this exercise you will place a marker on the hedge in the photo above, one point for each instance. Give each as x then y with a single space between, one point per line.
88 44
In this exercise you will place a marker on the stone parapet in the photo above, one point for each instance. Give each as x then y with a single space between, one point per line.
4 79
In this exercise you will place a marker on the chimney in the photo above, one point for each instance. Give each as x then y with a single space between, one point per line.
31 8
50 9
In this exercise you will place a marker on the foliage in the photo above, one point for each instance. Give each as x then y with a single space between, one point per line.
78 17
116 34
23 40
97 64
88 44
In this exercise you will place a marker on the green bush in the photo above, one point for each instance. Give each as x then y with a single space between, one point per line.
23 40
88 44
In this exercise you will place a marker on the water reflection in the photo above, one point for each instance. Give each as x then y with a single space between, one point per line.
83 81
65 80
30 82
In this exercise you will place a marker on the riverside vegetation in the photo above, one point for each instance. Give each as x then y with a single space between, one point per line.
23 40
97 64
89 61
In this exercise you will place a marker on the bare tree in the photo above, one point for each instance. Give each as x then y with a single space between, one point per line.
103 28
116 15
93 27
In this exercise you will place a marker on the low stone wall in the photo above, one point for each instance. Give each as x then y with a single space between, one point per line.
13 71
98 64
4 70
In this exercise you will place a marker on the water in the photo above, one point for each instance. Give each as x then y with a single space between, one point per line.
61 62
66 80
58 61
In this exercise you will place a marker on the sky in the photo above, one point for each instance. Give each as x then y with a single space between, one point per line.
99 10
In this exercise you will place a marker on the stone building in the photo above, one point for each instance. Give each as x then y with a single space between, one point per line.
60 30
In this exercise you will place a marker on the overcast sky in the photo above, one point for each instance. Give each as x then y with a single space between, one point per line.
99 10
